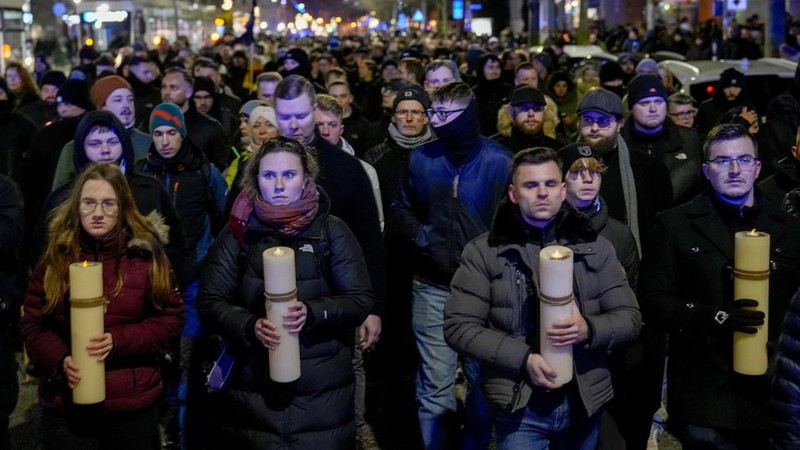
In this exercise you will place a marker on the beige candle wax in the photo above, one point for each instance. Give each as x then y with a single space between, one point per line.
87 320
281 288
555 284
751 280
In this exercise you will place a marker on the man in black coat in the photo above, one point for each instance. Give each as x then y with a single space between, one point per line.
527 121
345 182
204 131
648 130
145 93
686 290
44 110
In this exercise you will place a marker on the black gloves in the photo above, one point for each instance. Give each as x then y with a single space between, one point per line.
735 317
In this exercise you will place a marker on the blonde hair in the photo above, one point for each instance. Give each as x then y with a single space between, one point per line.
65 230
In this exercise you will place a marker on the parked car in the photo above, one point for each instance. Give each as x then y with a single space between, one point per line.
766 77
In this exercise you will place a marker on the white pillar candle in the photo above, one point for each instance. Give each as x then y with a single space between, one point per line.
280 286
87 320
555 285
751 280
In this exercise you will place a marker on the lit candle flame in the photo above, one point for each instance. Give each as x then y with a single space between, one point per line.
752 232
85 264
557 254
278 252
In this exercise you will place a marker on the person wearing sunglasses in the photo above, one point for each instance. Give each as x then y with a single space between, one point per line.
526 109
447 197
648 130
686 289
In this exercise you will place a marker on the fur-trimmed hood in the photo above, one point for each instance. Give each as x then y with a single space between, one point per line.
508 227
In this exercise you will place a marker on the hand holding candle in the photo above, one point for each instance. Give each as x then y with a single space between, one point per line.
557 311
751 281
285 315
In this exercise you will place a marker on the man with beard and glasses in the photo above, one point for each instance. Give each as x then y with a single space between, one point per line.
45 109
110 93
636 187
648 130
686 289
527 115
447 197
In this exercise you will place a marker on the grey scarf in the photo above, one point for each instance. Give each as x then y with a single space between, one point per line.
629 190
409 142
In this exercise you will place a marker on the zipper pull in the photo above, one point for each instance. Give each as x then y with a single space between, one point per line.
455 186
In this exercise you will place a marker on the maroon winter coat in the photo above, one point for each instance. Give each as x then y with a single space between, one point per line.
140 332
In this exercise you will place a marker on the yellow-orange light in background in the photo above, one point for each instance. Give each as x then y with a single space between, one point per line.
89 42
219 21
338 20
353 25
6 51
156 40
214 37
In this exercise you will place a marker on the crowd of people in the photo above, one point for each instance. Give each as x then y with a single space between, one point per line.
416 178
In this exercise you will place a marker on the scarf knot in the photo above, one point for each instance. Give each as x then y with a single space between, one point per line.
289 219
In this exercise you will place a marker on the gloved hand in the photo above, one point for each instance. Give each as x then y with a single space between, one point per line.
735 317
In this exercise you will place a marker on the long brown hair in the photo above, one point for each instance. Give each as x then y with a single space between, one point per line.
28 83
65 235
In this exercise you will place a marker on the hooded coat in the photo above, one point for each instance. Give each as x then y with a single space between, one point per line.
492 309
17 132
490 95
150 197
779 131
316 411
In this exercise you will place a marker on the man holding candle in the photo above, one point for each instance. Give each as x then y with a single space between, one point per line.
492 313
686 288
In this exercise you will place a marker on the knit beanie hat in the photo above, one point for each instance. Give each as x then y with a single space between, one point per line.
267 112
168 114
54 78
647 66
643 86
610 71
731 77
104 86
76 92
204 84
412 92
249 106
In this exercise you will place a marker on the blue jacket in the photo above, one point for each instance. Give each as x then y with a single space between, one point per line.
786 384
440 207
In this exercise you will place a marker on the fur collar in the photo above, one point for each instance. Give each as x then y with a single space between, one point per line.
509 228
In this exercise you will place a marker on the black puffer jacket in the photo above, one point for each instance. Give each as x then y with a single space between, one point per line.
777 135
489 316
317 410
786 384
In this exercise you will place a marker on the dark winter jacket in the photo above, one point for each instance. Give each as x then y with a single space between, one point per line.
197 191
350 192
686 277
786 179
620 237
17 132
316 411
355 130
141 333
12 221
680 149
491 95
39 113
208 135
440 206
779 132
786 383
488 315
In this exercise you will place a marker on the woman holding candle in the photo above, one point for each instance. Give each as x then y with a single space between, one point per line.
281 206
99 222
